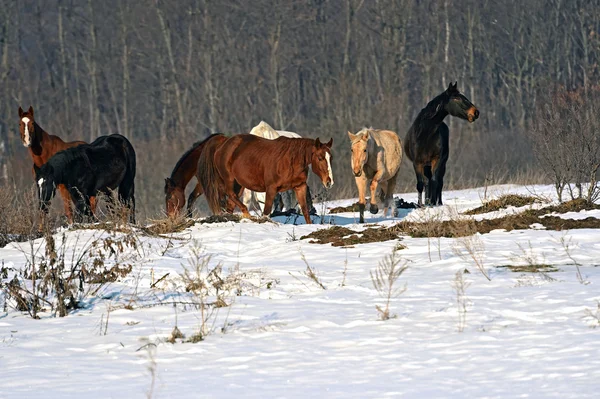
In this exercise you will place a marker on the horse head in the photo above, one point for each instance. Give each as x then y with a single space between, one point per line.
174 197
458 105
359 145
26 127
44 178
321 162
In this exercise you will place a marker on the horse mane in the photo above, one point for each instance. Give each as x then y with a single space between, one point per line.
188 152
63 160
294 148
433 107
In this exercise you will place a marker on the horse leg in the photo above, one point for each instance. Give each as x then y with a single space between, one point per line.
374 184
301 198
66 197
420 173
193 197
433 186
361 184
309 201
389 196
269 198
232 196
440 172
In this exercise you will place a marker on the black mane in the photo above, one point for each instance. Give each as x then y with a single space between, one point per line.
188 152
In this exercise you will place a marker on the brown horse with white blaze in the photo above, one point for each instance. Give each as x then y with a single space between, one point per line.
42 146
268 166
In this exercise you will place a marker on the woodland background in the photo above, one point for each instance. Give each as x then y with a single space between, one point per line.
168 73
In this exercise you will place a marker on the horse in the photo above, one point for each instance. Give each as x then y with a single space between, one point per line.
108 163
376 158
182 173
426 143
41 147
213 186
264 165
252 198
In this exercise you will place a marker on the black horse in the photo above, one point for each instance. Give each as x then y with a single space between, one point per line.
104 165
426 143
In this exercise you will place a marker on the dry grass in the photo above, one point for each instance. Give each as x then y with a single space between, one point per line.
533 268
342 236
502 202
342 209
461 227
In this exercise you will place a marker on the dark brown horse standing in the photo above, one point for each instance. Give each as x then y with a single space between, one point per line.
426 143
181 175
262 165
42 146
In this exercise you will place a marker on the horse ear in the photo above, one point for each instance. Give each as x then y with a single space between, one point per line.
20 112
365 136
169 183
30 110
455 84
317 143
351 136
329 143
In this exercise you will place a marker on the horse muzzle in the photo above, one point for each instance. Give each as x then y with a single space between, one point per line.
472 114
358 174
328 184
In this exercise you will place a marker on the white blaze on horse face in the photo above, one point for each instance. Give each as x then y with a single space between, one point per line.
26 138
328 158
40 182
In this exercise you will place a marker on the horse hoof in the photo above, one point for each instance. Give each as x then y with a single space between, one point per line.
373 209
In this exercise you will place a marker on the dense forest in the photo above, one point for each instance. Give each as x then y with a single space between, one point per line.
168 73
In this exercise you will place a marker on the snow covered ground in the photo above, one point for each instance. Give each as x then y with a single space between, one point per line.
526 335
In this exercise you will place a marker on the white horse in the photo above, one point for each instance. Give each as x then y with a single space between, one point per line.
254 200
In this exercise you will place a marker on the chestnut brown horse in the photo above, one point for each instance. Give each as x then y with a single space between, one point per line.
263 165
426 143
42 146
182 173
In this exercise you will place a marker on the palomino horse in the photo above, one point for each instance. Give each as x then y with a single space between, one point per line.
182 173
42 146
102 166
426 143
376 157
263 165
257 200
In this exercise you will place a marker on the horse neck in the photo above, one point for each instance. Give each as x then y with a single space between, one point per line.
39 148
430 126
307 150
186 169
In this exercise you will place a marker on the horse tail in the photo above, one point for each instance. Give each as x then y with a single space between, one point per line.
208 175
127 186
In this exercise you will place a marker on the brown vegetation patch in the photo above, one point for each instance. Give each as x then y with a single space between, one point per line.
467 227
501 203
576 205
168 225
342 236
530 268
342 209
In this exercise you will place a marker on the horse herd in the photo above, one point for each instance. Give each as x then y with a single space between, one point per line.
234 171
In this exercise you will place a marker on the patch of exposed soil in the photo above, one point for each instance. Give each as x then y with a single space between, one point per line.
530 268
340 236
502 203
467 227
342 209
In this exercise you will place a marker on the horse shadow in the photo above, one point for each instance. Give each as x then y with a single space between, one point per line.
403 209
